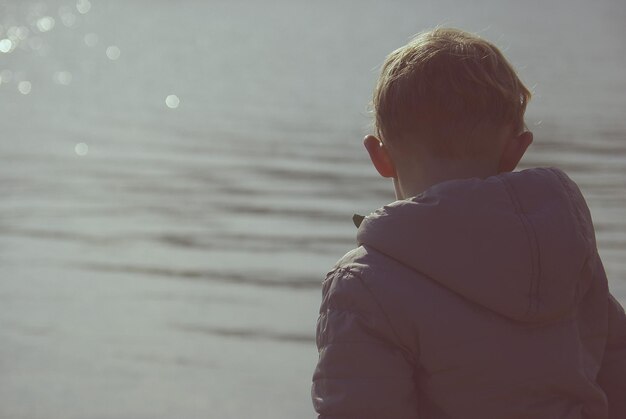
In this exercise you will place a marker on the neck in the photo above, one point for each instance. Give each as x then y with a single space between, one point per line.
416 178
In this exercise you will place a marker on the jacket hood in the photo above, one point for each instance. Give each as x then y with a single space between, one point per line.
519 243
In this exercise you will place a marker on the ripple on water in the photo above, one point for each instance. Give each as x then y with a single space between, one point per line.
248 333
273 280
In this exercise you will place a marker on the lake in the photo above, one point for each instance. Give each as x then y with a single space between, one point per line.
177 178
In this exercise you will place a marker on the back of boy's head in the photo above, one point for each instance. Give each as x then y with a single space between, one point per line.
450 93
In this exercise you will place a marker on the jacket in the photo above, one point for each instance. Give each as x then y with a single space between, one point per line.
478 298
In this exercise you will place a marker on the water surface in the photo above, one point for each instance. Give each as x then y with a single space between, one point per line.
162 258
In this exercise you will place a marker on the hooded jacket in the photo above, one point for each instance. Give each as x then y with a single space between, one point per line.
478 298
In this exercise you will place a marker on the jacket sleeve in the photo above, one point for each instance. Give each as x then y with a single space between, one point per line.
612 375
362 371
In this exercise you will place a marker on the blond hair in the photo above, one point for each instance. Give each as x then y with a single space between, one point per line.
449 91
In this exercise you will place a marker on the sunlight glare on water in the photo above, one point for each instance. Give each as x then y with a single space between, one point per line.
24 87
6 45
172 101
81 149
113 52
6 76
45 24
62 77
68 18
83 6
91 39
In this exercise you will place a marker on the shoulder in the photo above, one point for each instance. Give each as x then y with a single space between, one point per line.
347 279
366 262
353 302
381 290
374 269
364 280
343 286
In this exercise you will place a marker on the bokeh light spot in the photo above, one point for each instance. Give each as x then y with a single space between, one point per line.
45 23
68 19
6 45
24 87
6 76
91 39
172 101
62 77
81 149
17 33
83 6
113 52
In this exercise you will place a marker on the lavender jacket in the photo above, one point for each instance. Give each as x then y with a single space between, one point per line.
478 298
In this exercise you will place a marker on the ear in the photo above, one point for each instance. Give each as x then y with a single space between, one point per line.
513 151
379 154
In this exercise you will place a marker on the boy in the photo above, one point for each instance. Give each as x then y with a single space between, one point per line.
480 292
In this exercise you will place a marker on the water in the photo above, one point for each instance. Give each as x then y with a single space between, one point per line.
162 258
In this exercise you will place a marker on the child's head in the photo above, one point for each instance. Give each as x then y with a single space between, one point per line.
448 91
451 95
